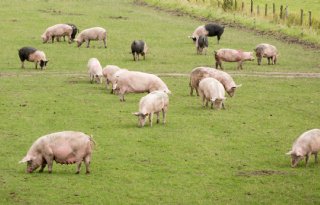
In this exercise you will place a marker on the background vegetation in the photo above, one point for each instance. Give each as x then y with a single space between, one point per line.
232 12
201 156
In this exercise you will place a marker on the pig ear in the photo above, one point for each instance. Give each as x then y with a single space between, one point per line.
289 153
26 159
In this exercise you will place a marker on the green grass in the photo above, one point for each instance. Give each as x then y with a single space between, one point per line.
201 156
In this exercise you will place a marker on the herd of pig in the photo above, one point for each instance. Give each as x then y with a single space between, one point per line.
69 147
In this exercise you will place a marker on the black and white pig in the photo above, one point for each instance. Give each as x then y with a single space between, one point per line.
209 30
32 55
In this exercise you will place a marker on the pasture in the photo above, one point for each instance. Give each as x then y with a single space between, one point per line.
201 156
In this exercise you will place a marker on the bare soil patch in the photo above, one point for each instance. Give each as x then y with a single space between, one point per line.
260 173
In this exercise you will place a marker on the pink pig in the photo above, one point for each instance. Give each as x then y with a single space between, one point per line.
67 147
231 55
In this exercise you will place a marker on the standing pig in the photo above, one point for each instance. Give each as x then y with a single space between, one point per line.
95 70
138 47
231 55
197 74
308 143
58 30
95 33
202 44
208 30
154 102
265 50
67 147
137 82
33 55
211 90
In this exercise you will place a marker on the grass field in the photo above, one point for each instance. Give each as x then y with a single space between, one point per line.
201 156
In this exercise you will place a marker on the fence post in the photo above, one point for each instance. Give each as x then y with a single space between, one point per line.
281 12
301 17
286 12
242 6
310 19
251 7
274 9
235 5
266 10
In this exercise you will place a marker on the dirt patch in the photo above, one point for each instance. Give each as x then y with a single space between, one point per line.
274 34
58 12
119 17
260 173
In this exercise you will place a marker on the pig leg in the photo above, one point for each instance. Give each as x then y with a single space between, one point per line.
43 166
164 111
157 113
22 64
268 61
88 43
150 119
307 158
105 43
223 106
316 158
191 90
87 163
36 65
78 166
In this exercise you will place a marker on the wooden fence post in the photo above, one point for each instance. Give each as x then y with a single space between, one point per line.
266 10
251 6
281 12
235 5
242 6
310 19
286 12
301 17
274 9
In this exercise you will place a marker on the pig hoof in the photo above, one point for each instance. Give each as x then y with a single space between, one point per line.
77 172
87 172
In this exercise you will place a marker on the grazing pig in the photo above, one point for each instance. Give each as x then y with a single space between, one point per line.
202 44
308 143
211 90
108 73
32 55
94 70
58 30
73 34
231 55
95 33
268 51
154 102
138 47
197 74
208 30
67 147
137 82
